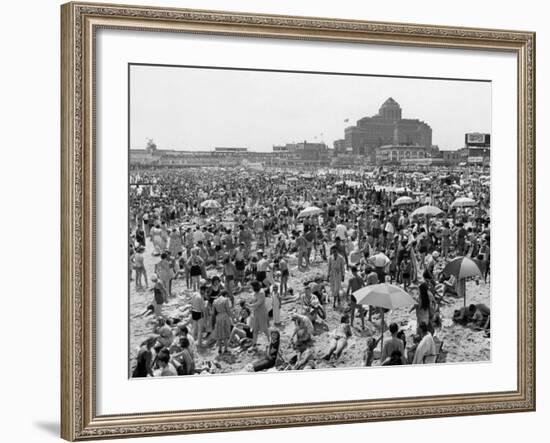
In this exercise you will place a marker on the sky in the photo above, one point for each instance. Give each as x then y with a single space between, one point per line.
199 109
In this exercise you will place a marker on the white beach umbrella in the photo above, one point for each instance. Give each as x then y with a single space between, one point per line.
427 210
405 200
463 202
383 295
349 183
210 204
312 210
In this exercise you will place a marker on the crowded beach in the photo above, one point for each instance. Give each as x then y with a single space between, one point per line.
235 270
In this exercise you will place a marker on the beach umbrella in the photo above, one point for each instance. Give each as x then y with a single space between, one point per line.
427 210
383 295
349 183
461 268
312 210
463 202
403 201
210 204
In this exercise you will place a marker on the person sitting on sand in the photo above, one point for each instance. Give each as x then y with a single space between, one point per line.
303 359
184 358
339 339
144 365
317 315
482 316
396 358
166 336
393 344
302 323
166 367
479 314
272 353
318 288
368 356
183 332
241 328
425 351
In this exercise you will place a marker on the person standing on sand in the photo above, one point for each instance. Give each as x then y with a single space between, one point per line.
335 274
276 305
301 245
159 295
354 284
197 315
139 267
165 273
195 264
283 267
222 328
259 310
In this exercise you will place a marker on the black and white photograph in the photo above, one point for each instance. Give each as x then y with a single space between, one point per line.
296 221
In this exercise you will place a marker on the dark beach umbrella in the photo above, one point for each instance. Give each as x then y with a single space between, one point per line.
461 268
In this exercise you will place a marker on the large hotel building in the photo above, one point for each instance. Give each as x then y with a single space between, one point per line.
388 127
385 138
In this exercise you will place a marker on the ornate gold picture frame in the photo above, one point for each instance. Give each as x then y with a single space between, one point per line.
80 21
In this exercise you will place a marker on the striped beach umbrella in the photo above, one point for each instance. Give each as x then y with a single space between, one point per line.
461 268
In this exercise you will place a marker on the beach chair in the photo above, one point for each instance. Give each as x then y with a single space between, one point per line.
434 358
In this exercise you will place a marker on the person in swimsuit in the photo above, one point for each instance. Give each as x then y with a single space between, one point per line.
197 314
339 339
194 264
139 267
283 267
272 353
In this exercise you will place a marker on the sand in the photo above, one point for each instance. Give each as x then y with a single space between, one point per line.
460 343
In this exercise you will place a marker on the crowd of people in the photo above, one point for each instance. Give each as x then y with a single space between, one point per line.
229 259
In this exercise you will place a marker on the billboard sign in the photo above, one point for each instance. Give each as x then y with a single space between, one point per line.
478 139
